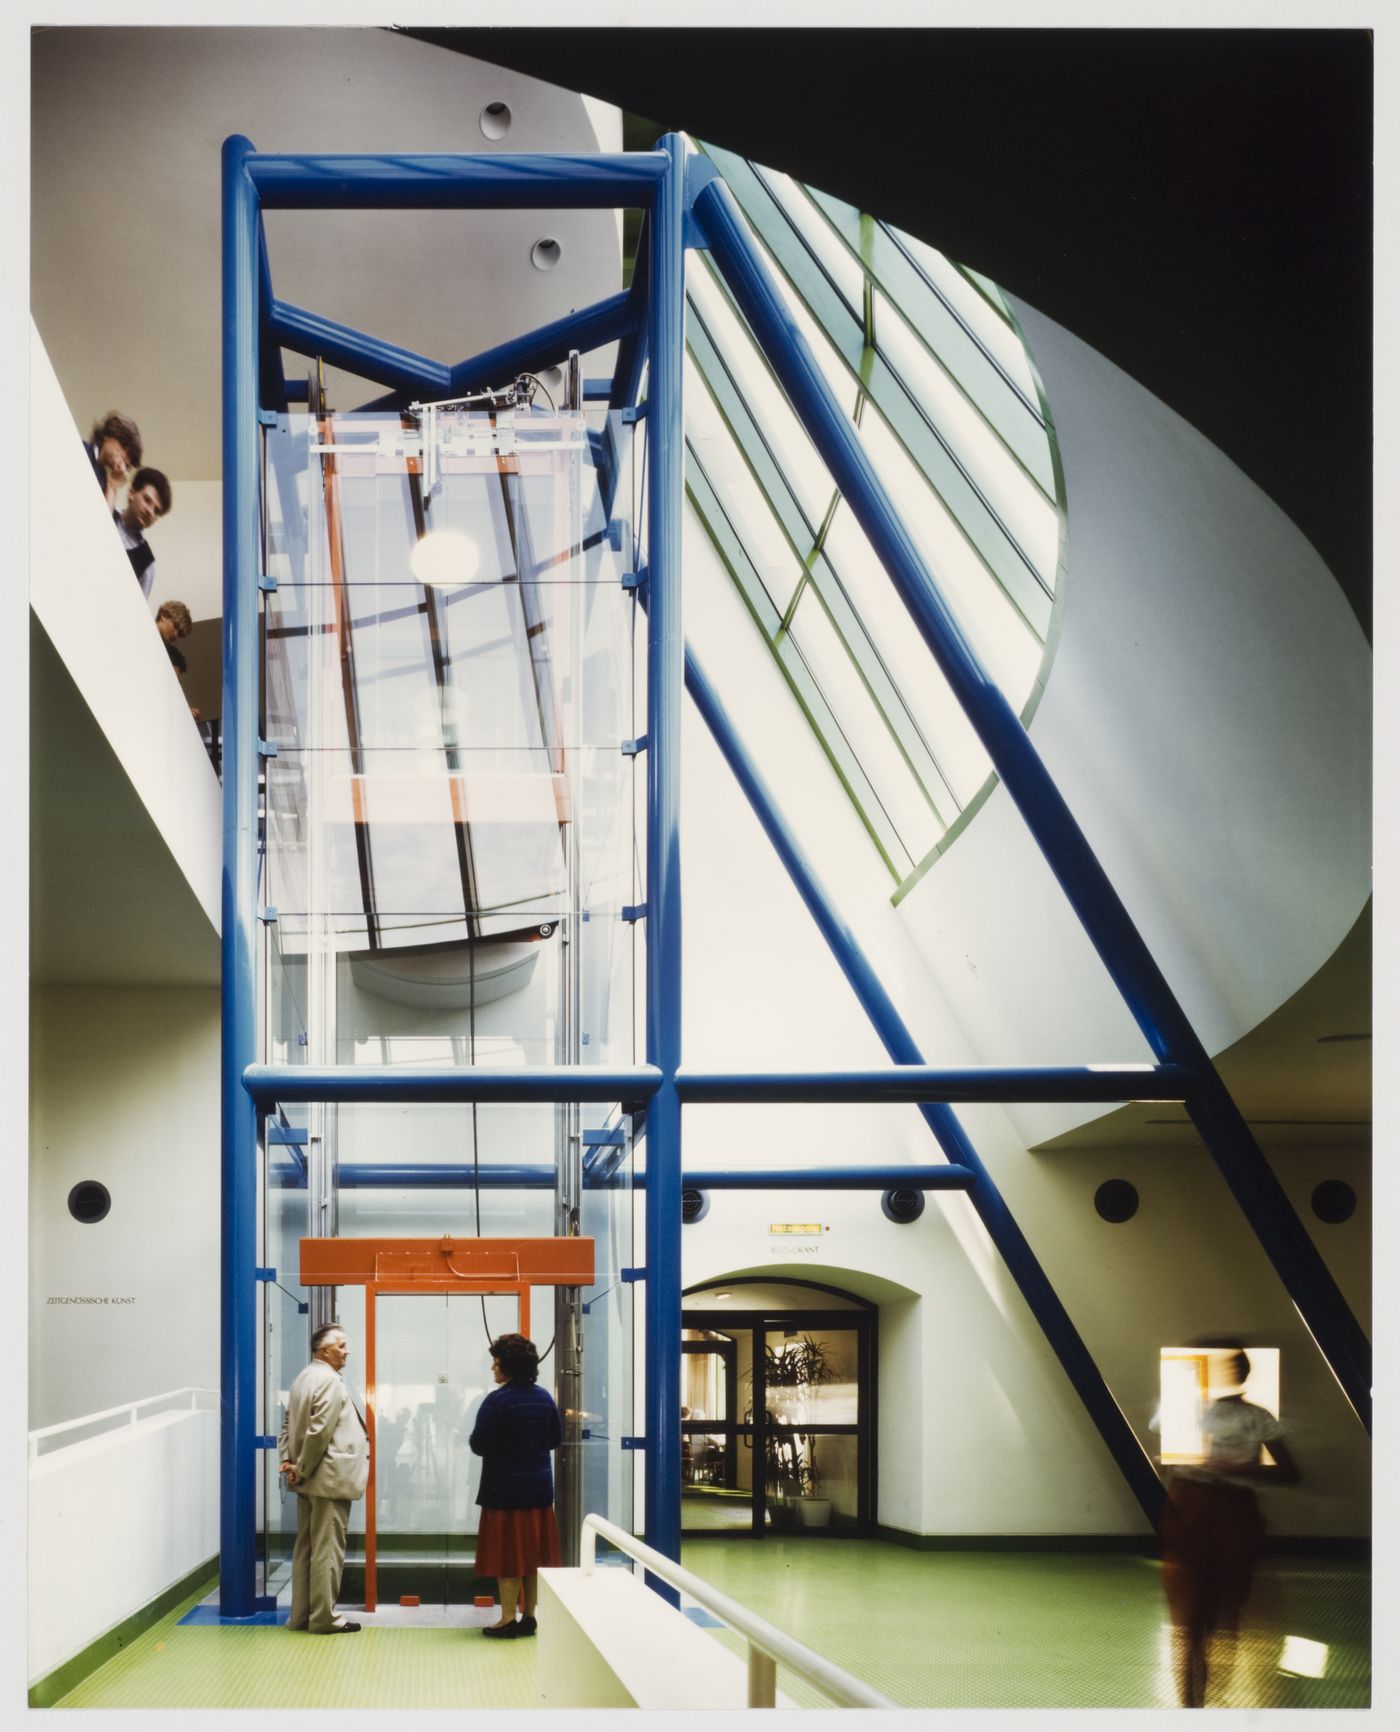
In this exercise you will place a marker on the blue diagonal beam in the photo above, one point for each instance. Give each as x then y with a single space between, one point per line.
899 1043
604 322
591 327
1107 922
357 352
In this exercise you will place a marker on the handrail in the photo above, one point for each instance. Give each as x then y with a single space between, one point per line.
129 1408
767 1646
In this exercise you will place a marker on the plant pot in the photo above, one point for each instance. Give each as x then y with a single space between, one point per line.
814 1512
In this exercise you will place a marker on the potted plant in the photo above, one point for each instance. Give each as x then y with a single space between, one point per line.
792 1480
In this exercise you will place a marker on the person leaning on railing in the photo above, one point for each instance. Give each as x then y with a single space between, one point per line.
114 450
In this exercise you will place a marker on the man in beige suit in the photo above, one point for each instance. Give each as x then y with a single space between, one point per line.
324 1454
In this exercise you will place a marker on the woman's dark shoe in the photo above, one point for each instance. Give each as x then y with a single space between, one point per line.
526 1627
504 1632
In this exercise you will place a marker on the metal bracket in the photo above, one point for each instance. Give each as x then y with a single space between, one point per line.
597 390
634 1442
635 911
265 1603
267 417
634 579
267 748
632 1274
637 412
630 748
266 584
293 1136
264 1274
263 1442
267 915
618 528
612 1138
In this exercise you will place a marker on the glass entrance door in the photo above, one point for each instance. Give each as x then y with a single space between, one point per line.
776 1413
433 1369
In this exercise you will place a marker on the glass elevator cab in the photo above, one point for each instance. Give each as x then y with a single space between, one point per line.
449 863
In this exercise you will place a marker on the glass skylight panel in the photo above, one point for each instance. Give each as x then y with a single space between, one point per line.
864 727
834 258
1017 501
992 330
998 634
961 760
951 419
806 473
743 501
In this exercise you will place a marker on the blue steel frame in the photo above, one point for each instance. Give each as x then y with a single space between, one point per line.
680 210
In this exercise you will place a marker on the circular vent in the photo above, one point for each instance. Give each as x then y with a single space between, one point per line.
695 1205
1116 1200
903 1204
89 1202
1334 1201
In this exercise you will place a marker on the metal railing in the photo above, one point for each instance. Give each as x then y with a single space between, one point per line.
768 1647
128 1414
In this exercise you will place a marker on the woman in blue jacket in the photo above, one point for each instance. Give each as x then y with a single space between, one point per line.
517 1425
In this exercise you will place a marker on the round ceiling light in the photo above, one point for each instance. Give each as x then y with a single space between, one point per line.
445 556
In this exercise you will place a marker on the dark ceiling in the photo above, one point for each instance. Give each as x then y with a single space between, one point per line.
1195 204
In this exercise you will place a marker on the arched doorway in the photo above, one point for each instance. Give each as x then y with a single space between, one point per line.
777 1409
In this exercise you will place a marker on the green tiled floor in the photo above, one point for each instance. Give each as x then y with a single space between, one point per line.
930 1629
1033 1629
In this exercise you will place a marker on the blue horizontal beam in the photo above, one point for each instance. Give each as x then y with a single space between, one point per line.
1091 894
461 1175
911 1082
270 1083
310 334
520 182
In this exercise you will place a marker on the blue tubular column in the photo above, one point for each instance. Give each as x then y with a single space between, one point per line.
899 1043
237 1335
1110 928
665 683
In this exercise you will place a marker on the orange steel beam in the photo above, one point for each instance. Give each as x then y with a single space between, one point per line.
447 1263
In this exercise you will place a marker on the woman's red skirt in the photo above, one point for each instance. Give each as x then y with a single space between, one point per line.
516 1542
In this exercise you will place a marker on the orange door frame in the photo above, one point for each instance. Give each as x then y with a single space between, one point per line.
408 1266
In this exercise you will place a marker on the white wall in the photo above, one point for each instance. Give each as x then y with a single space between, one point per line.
139 1506
124 1089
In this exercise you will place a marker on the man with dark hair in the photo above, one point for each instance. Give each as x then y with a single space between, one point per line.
114 450
324 1456
149 499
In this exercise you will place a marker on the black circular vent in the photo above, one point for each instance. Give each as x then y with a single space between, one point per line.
1116 1200
1334 1201
695 1205
89 1201
903 1204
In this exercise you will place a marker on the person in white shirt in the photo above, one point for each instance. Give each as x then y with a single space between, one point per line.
1211 1530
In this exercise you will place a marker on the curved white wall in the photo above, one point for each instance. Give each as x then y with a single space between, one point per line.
1207 717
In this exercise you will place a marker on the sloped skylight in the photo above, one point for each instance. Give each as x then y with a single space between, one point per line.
930 367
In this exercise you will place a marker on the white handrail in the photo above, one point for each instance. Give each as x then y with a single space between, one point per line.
128 1408
768 1647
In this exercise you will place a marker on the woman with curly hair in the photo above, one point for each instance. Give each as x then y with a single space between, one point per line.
516 1427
